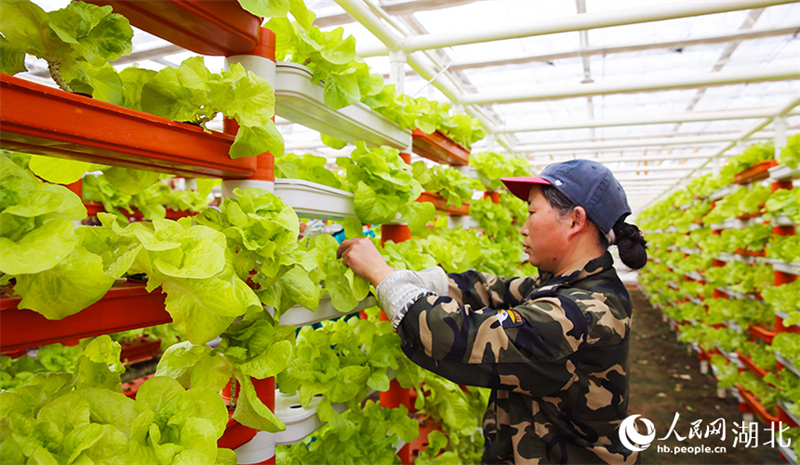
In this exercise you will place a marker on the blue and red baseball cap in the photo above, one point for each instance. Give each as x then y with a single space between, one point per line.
586 183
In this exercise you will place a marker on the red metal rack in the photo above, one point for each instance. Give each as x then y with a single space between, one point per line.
440 148
93 208
99 132
20 329
207 27
441 204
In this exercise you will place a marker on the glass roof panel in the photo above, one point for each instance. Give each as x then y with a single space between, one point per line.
516 48
522 77
480 15
656 31
535 67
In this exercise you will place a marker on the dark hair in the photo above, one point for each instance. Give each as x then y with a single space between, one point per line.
629 239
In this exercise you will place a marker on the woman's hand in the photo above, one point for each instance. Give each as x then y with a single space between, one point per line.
361 256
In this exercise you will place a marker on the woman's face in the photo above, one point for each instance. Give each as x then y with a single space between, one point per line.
545 233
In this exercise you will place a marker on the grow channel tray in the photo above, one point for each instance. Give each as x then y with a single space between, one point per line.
722 192
299 422
124 307
207 27
300 100
783 173
301 316
786 267
782 220
99 132
466 222
312 200
788 454
787 364
786 407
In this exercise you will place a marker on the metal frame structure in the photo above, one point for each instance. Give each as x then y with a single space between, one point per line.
665 157
418 49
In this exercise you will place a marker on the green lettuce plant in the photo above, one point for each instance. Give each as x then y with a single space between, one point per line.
790 154
445 181
347 80
785 202
77 42
15 372
193 266
252 347
492 166
786 248
152 202
763 355
727 374
785 298
749 157
342 360
788 345
84 418
48 257
384 186
307 167
373 439
261 234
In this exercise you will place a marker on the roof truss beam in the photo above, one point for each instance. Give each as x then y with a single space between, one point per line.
644 142
781 73
643 14
685 117
399 8
624 48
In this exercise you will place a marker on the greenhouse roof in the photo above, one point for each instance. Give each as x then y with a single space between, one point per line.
659 92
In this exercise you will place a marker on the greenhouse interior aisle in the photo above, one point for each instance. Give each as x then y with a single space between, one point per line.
177 178
666 379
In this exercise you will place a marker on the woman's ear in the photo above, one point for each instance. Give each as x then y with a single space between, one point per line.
578 221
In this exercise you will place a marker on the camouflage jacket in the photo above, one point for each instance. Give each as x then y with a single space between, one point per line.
553 349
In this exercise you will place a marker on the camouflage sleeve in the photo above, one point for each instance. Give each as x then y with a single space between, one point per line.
531 348
485 290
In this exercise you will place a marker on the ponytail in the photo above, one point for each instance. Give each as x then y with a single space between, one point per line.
631 244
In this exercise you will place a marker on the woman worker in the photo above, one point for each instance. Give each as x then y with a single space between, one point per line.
553 349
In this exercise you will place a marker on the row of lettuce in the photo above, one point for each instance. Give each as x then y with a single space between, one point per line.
204 263
79 41
221 268
696 248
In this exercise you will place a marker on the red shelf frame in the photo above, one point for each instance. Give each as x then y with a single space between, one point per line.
749 253
93 208
123 308
426 426
755 406
748 362
139 350
99 132
441 204
440 148
132 387
762 333
756 172
207 27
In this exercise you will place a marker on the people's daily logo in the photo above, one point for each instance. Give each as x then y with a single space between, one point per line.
630 436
